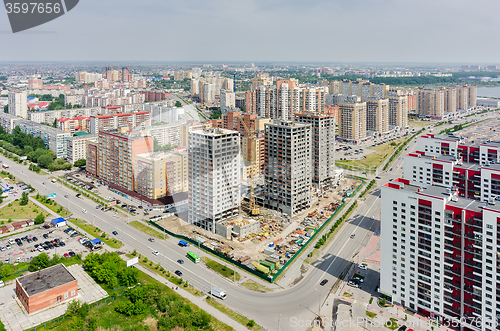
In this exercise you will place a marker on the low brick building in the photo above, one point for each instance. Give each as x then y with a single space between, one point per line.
46 287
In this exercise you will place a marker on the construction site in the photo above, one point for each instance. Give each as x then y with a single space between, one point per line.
265 239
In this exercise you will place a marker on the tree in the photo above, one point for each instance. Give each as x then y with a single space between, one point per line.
39 262
178 103
6 108
39 219
80 163
44 161
55 123
24 199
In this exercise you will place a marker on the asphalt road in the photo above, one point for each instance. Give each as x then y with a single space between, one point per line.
300 302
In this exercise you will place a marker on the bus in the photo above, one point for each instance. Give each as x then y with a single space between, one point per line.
193 257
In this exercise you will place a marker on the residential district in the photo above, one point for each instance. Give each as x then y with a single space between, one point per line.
270 197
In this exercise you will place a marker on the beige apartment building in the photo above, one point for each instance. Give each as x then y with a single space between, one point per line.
161 174
450 99
430 102
352 121
398 111
377 115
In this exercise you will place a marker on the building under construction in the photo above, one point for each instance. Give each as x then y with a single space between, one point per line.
287 172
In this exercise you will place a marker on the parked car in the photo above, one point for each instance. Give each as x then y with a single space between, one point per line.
71 254
45 235
363 267
66 255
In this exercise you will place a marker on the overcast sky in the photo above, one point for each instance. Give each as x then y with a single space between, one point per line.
460 31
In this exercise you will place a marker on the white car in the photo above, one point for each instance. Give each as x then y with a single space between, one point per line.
84 211
155 252
2 248
7 246
114 215
358 279
363 267
372 217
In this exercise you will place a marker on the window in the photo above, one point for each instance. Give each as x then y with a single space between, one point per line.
66 295
73 292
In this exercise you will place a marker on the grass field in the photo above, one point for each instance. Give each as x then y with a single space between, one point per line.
54 206
255 286
109 319
220 269
166 274
375 159
15 211
147 229
420 124
96 232
391 324
234 315
370 314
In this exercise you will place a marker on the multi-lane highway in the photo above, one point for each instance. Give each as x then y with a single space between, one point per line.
300 301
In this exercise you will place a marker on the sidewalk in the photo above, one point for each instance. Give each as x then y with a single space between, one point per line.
199 301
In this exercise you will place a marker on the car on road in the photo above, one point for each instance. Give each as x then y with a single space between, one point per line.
378 177
178 273
352 236
98 206
151 239
155 253
84 211
66 196
180 261
114 215
323 282
390 169
78 195
363 267
115 233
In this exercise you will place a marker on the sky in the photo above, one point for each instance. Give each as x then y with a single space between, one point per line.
328 31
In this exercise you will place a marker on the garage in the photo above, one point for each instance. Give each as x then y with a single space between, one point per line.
58 222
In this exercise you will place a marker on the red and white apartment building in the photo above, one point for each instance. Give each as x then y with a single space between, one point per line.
440 233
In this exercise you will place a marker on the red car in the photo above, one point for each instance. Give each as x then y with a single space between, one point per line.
66 255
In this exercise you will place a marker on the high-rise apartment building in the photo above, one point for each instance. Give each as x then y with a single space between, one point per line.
77 146
227 101
18 103
288 165
377 115
158 175
323 147
398 111
430 102
352 121
250 102
214 176
472 95
462 97
133 120
439 254
116 156
450 100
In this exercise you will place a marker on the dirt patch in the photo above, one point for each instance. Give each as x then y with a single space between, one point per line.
152 323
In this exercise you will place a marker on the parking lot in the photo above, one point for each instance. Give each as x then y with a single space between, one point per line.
364 289
21 247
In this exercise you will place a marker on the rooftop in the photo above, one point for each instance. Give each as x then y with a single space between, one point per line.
46 279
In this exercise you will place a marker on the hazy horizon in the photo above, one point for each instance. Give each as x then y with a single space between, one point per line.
259 31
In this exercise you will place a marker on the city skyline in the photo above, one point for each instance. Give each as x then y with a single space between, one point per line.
241 30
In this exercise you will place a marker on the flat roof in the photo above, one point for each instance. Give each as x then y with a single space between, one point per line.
46 279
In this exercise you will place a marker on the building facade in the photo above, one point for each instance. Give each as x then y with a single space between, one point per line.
214 176
18 103
352 121
288 166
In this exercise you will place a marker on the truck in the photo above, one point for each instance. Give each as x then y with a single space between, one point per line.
217 292
183 243
5 166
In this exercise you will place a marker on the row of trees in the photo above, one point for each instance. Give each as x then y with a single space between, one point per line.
42 261
33 148
110 269
341 219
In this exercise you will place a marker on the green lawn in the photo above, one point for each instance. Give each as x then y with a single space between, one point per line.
15 211
96 232
370 314
255 286
420 124
375 159
167 275
147 229
52 205
391 324
234 315
107 318
220 268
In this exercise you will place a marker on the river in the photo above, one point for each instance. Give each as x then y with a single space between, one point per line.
491 92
